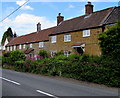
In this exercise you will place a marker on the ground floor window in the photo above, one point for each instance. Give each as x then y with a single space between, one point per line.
67 53
53 53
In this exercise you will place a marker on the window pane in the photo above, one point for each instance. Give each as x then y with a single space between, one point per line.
67 38
24 46
41 44
86 33
53 39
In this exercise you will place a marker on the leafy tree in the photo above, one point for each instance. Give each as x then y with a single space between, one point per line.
6 34
110 41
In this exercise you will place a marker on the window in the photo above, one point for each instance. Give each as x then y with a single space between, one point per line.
30 55
41 44
67 38
7 48
53 53
24 46
20 46
14 47
11 48
53 39
31 45
67 53
86 33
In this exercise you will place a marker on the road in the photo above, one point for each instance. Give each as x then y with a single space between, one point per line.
25 84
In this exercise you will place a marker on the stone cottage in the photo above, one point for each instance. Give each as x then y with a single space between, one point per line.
78 35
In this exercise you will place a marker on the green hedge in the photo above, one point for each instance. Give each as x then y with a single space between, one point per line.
86 68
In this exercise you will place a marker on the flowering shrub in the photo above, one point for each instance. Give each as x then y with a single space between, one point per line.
39 57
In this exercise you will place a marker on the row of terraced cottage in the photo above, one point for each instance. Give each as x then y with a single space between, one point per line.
78 35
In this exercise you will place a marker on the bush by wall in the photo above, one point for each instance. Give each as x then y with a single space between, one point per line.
43 53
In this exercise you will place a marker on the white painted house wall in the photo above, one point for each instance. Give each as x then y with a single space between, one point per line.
6 42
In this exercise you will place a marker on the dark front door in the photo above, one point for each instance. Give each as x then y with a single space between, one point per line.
80 50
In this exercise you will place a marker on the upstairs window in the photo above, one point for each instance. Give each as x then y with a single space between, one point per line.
53 39
30 45
14 47
67 38
24 46
86 33
7 48
41 44
20 46
11 48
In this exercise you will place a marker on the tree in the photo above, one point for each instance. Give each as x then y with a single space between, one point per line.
6 34
110 41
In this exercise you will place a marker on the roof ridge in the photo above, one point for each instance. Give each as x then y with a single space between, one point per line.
87 15
26 34
47 28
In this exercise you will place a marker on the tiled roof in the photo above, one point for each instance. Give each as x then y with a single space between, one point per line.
33 37
96 19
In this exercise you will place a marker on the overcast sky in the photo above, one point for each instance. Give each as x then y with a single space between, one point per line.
25 19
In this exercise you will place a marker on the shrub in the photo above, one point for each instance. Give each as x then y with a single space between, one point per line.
74 57
19 65
43 53
59 53
61 57
13 56
110 41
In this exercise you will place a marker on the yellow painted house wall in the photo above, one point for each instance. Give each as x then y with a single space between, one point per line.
91 42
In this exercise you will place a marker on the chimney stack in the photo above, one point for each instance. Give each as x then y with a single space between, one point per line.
88 8
38 27
59 18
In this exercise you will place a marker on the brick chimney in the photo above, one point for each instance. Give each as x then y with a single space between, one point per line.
88 8
59 18
38 27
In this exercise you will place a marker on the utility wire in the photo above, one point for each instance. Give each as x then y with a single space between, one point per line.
14 11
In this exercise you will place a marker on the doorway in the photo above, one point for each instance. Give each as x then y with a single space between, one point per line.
79 50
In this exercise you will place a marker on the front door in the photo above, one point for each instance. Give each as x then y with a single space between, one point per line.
79 50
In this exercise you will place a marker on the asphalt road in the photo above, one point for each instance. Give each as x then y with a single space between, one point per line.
25 84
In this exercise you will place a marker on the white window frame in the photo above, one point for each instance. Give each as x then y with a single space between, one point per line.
67 38
30 45
41 44
10 48
24 46
20 46
14 48
53 53
86 33
53 39
7 48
